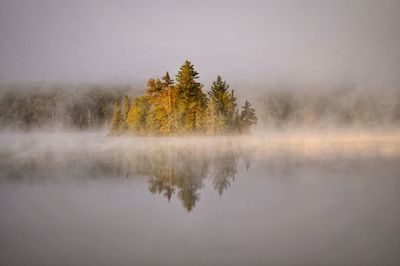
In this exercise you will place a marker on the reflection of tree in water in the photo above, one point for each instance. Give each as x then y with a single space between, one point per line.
178 171
224 170
184 171
171 170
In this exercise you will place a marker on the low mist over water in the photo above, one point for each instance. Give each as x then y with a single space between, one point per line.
271 198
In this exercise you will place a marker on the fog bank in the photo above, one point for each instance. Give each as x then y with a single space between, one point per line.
31 106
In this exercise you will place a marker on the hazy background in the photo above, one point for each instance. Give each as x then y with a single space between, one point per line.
247 42
274 197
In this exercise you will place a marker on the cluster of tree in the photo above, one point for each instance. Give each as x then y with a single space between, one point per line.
36 105
329 107
181 107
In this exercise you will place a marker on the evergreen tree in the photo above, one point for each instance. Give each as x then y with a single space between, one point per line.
247 117
192 100
167 81
225 102
117 123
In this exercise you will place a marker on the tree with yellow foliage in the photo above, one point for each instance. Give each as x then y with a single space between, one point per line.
137 116
170 108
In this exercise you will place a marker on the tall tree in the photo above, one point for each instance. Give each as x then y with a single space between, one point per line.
225 103
192 99
247 117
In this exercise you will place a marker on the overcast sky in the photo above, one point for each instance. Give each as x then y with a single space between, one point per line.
244 41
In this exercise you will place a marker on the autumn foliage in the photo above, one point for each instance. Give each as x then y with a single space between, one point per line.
181 107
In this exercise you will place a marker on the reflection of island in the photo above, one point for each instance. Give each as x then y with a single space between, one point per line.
173 169
182 172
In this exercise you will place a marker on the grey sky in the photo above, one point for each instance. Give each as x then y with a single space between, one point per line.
244 41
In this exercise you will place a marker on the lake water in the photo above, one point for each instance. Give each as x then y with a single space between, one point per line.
268 199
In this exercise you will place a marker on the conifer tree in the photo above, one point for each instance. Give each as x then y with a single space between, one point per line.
192 102
167 81
247 117
218 90
117 121
225 102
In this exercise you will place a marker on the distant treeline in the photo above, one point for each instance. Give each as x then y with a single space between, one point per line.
35 105
181 107
329 107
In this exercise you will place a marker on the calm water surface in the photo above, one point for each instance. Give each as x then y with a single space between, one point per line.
85 199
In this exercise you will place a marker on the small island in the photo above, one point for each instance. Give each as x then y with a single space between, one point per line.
181 108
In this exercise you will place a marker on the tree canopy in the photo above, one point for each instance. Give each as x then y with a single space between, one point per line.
181 107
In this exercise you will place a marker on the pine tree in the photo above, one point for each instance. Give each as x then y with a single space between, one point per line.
192 100
167 81
225 102
117 122
247 117
219 88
